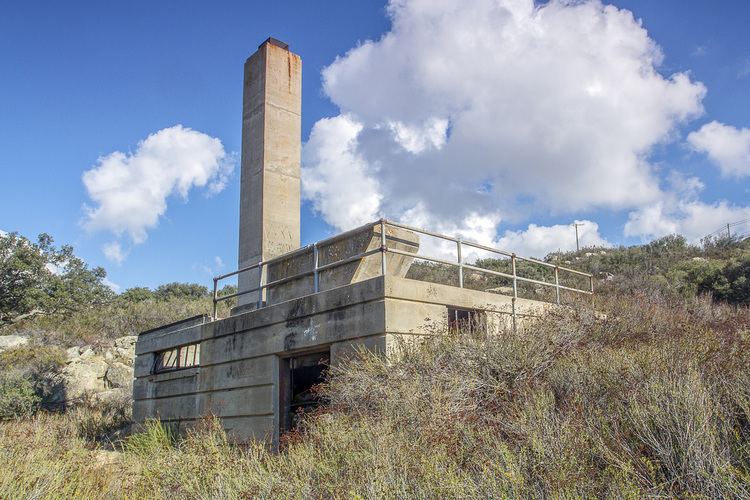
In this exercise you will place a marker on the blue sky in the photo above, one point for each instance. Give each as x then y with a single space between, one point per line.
82 80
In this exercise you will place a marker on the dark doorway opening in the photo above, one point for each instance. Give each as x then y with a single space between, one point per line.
299 378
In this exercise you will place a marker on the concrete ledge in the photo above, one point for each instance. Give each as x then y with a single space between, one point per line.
238 379
159 340
178 325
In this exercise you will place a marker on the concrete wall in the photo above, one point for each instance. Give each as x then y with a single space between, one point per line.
238 377
339 249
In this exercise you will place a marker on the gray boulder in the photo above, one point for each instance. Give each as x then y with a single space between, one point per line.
99 372
119 375
10 341
84 376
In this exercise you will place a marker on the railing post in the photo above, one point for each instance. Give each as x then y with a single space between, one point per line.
316 285
591 287
557 285
515 290
460 264
216 296
383 248
260 284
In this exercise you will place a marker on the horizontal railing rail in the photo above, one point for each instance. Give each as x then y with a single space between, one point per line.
383 249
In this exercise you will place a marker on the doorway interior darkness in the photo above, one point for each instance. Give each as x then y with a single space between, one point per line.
298 380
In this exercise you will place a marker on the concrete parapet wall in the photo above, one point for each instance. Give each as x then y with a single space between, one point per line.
338 249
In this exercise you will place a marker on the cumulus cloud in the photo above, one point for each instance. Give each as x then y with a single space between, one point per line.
680 211
534 241
495 110
130 190
693 219
538 241
727 146
335 176
113 251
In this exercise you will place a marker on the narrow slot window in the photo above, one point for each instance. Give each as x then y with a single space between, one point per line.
186 356
465 320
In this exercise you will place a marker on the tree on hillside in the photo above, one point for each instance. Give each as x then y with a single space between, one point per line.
137 294
180 291
38 278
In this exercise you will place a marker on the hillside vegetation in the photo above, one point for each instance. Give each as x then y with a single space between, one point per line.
648 397
719 268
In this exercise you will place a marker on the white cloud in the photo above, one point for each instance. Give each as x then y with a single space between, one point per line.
726 146
335 176
431 134
680 211
111 285
3 233
113 251
535 241
538 241
495 108
211 270
130 191
693 219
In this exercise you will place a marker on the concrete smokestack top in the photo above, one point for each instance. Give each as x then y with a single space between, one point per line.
270 173
276 42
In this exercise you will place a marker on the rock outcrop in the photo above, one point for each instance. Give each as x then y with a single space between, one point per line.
102 373
10 341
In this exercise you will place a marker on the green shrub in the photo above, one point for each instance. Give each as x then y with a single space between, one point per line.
41 366
156 437
17 397
730 283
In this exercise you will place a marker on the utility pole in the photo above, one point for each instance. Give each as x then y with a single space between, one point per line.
729 233
575 225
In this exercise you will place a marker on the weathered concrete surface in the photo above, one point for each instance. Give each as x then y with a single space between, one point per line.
238 379
338 249
270 172
419 307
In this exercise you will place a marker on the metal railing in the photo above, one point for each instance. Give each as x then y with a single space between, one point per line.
383 249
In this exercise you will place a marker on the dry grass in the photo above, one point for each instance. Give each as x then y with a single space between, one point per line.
652 401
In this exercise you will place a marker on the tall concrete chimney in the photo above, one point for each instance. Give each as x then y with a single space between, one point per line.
270 177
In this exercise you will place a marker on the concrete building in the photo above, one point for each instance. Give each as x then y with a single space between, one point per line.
302 309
